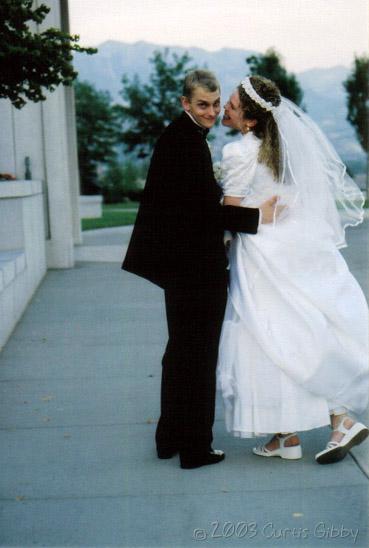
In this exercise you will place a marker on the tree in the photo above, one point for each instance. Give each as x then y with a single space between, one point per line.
97 133
357 88
31 61
122 181
149 108
270 66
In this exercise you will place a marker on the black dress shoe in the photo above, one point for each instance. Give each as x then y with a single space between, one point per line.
190 460
166 453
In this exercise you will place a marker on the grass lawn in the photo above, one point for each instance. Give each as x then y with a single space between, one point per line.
113 216
121 205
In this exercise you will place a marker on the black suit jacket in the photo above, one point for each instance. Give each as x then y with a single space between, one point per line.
178 234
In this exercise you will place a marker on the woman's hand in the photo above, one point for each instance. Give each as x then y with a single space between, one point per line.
269 209
227 238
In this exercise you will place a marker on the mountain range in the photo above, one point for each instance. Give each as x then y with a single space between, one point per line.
324 94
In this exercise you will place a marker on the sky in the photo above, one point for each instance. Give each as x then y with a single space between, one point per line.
308 33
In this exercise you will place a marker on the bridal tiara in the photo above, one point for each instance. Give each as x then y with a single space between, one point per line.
247 86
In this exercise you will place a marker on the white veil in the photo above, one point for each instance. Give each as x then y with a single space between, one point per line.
325 196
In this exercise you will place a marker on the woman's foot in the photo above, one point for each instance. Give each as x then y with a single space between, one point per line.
346 434
286 446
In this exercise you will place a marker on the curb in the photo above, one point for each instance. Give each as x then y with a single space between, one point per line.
100 253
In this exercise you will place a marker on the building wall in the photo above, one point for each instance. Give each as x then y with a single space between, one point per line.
45 132
39 218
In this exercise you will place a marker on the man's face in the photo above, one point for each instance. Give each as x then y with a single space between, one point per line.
204 106
232 116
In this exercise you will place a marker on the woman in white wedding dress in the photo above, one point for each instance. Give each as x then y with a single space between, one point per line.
294 347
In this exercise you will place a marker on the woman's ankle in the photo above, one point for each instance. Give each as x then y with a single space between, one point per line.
342 418
292 439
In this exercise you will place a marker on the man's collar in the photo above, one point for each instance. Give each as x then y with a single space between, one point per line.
202 130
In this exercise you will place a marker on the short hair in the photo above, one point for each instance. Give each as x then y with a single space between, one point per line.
199 78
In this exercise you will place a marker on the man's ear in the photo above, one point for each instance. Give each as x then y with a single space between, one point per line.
185 103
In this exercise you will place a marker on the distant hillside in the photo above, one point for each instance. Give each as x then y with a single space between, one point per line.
324 95
105 69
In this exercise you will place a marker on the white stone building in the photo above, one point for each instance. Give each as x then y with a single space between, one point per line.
39 218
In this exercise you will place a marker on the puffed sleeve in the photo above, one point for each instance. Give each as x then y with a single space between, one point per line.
238 166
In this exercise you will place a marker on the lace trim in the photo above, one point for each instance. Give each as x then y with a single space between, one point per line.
247 86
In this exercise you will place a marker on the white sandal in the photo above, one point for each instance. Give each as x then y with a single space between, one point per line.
337 450
291 453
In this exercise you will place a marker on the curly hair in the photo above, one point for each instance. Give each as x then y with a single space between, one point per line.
266 127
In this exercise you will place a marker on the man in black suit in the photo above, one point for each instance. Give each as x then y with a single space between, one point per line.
177 243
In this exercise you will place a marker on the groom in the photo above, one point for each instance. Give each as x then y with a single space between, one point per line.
177 243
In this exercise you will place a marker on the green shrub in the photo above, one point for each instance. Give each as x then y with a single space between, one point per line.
121 182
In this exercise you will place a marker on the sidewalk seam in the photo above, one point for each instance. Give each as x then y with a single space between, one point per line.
359 465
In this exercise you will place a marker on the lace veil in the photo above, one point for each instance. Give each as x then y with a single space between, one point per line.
325 196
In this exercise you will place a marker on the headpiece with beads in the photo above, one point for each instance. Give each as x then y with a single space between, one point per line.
249 89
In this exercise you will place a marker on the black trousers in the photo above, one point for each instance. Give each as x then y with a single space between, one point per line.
194 315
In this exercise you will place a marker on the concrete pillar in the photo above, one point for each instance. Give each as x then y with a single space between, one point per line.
46 133
59 250
74 182
59 246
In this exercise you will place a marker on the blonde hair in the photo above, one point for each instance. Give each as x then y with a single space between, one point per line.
266 127
199 78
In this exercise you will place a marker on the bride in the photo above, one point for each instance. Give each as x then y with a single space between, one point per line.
294 347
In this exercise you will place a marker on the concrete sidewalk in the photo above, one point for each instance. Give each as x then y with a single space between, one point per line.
104 244
79 383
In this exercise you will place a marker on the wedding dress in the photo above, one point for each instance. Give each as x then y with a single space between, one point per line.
294 342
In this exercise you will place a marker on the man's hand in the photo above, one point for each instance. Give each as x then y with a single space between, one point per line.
270 211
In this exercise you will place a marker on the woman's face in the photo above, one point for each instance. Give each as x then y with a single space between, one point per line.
232 116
